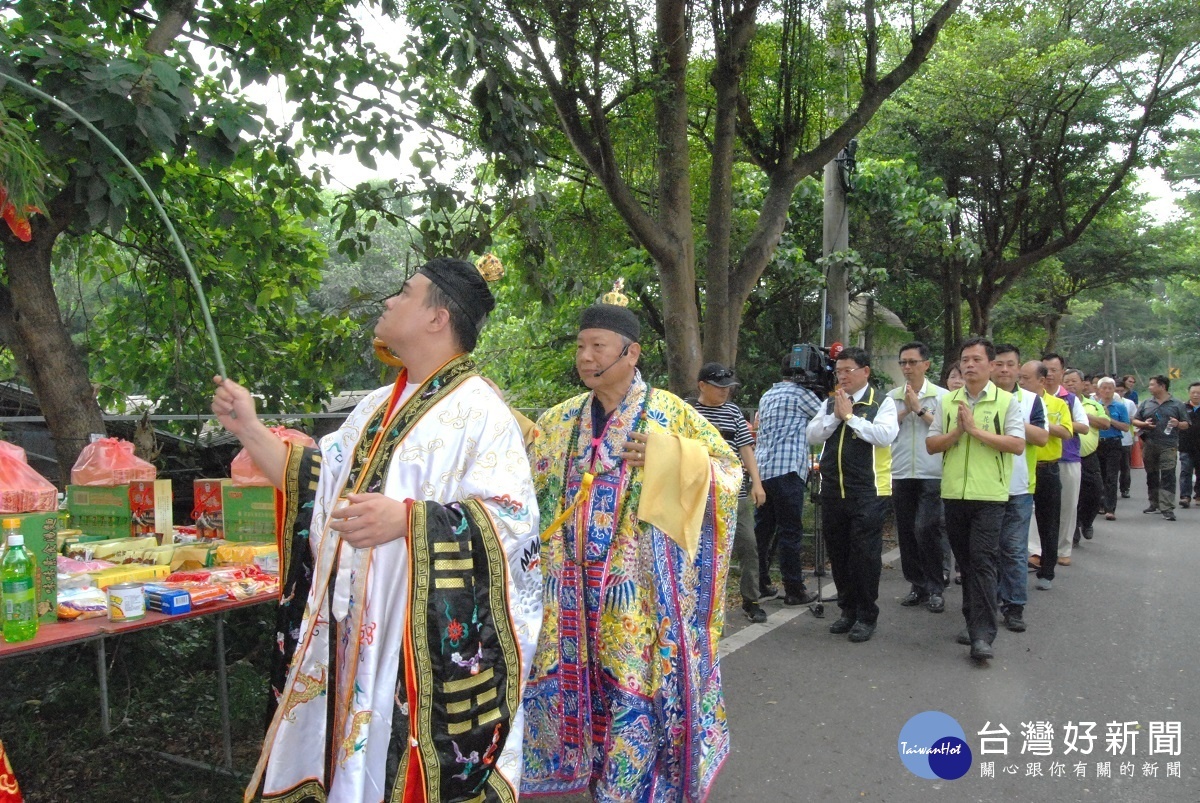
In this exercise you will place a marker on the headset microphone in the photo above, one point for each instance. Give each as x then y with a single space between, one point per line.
620 357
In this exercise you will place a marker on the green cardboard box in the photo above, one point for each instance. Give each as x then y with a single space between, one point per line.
119 511
41 539
249 512
100 510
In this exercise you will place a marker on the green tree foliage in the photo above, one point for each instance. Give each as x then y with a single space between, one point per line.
173 85
654 102
1034 117
898 222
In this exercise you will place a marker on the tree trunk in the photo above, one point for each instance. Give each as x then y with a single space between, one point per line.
756 255
677 262
1052 322
682 324
31 326
952 333
720 316
981 314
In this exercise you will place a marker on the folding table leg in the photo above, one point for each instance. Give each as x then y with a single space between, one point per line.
102 676
223 693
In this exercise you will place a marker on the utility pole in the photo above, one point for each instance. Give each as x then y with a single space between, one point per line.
835 237
835 233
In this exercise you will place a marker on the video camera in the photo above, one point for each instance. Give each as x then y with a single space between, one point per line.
812 367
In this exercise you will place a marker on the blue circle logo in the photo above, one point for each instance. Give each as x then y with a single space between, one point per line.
933 745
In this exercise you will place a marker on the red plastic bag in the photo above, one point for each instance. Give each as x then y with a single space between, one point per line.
245 472
110 461
22 489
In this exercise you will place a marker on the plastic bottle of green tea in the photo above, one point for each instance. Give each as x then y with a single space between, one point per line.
17 586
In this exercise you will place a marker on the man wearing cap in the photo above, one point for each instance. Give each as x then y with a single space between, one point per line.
639 495
411 597
782 453
715 384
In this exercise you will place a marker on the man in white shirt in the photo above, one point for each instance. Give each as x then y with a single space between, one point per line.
857 427
1069 468
1012 584
979 428
916 482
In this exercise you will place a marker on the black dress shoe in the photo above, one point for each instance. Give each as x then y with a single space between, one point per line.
913 599
936 603
842 626
1088 533
964 637
862 631
981 650
1014 622
803 598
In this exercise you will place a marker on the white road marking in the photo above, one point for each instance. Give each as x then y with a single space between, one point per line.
751 632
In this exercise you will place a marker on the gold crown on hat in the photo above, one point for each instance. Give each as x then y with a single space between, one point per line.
615 296
489 267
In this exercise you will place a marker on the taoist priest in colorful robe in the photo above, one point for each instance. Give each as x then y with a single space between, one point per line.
638 494
412 597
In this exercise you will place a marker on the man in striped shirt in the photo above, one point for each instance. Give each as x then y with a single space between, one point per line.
715 384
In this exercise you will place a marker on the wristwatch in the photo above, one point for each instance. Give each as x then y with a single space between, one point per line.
925 410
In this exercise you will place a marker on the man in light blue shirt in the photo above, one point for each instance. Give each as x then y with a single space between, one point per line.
1111 449
782 454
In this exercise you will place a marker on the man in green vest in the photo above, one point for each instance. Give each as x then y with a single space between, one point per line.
978 429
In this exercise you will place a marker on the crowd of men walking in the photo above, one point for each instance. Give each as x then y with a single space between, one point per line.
1001 474
476 605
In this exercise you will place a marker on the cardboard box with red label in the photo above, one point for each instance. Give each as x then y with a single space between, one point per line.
208 507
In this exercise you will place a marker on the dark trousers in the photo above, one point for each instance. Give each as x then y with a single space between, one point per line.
1047 508
1189 465
1090 491
779 525
1110 453
917 505
1160 474
853 530
974 529
1126 461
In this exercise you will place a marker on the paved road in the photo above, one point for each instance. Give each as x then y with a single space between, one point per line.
817 718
